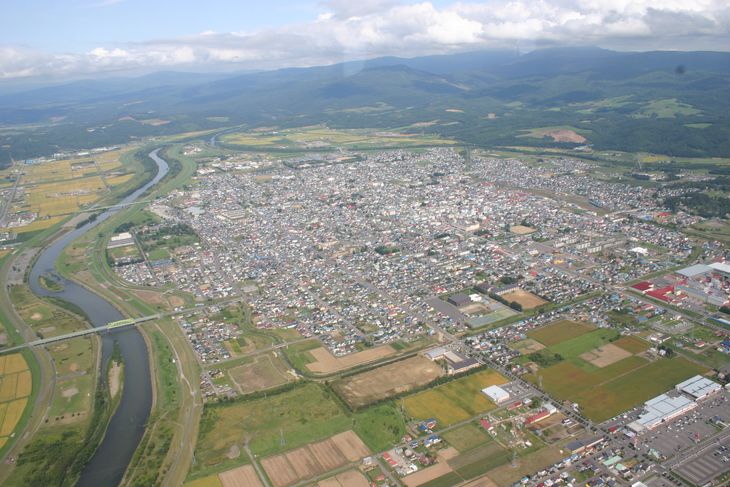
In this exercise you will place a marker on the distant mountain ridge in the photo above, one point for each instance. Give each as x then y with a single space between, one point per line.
650 101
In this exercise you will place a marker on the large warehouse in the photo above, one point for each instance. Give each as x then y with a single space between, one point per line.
660 409
496 394
698 387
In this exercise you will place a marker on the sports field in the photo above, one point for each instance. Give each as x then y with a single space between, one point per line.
16 385
526 299
362 389
454 401
559 331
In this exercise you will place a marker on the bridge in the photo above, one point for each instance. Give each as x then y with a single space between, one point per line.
88 331
115 325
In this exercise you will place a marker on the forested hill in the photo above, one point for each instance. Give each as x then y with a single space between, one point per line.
675 103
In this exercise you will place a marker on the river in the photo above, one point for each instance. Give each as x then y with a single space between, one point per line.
127 425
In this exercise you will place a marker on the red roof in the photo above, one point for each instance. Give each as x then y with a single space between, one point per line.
537 417
485 424
643 286
661 293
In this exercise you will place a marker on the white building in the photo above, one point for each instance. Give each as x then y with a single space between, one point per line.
496 394
660 409
698 387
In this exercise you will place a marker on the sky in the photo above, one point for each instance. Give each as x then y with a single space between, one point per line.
86 38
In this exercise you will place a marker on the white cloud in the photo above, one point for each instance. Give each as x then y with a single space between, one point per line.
346 30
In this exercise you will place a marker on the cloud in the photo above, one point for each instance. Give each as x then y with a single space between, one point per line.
347 30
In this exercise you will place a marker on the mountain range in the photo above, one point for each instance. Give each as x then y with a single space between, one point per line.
673 103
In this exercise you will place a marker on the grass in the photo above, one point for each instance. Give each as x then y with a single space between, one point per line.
632 344
304 414
480 460
454 401
641 385
380 427
603 393
571 349
466 437
559 332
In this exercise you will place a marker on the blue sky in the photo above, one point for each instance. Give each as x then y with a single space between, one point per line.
86 38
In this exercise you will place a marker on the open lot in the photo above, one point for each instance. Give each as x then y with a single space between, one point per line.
526 299
605 355
373 385
264 372
301 415
314 459
454 401
466 437
559 331
326 363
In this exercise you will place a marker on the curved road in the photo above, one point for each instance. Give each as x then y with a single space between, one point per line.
127 425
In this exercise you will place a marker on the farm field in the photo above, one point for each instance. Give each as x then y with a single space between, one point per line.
526 299
301 415
263 372
466 437
454 401
314 459
16 385
244 476
603 372
382 382
319 137
348 478
326 363
559 331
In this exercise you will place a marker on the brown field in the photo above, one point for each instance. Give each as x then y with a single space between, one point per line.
559 331
521 230
475 309
566 136
525 298
244 476
349 478
605 355
386 381
632 344
528 346
314 459
326 363
426 475
264 372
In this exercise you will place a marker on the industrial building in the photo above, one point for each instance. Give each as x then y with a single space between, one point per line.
660 409
496 394
698 387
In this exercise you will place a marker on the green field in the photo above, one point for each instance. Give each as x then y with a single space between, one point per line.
466 437
572 349
454 401
380 427
666 108
559 331
605 392
301 415
632 344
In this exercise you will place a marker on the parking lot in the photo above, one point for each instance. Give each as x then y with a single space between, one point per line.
686 431
707 464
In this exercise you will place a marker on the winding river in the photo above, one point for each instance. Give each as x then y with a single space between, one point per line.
127 425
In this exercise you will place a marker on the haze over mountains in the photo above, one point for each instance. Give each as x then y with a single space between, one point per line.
666 102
